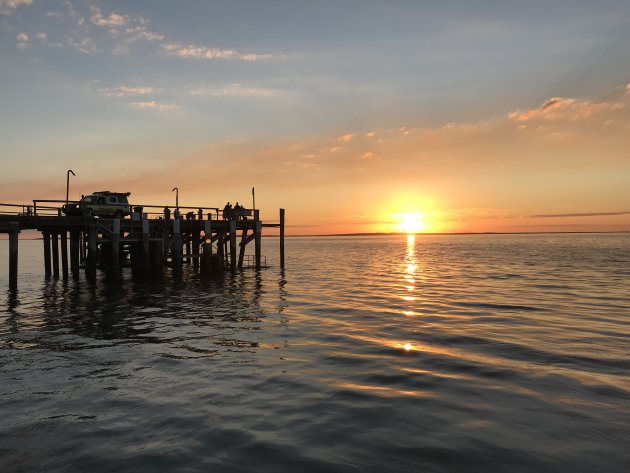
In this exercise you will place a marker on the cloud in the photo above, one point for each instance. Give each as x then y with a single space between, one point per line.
202 52
584 214
153 105
113 20
567 109
234 90
41 36
125 91
8 6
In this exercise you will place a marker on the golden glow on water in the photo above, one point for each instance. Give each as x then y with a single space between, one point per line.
407 347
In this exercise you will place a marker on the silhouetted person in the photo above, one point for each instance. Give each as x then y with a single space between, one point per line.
176 214
227 211
167 213
200 214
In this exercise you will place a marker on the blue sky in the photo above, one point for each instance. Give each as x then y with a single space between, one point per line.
150 82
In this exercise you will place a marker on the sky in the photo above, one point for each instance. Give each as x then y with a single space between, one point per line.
353 115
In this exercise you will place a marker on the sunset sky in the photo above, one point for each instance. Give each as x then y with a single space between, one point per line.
354 115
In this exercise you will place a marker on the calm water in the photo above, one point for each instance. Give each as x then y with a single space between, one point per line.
433 354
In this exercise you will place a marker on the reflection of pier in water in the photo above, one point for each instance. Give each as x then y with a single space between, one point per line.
185 317
148 241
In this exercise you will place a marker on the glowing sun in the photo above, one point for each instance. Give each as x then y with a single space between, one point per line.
412 223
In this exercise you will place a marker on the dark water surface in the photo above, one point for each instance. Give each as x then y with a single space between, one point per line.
433 354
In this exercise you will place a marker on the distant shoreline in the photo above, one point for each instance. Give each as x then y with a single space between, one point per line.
446 233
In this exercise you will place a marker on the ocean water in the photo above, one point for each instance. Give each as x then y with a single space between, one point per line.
428 354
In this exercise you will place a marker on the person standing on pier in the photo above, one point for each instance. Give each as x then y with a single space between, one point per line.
176 214
200 214
227 211
167 213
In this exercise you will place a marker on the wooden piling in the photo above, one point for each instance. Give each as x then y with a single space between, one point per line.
91 253
47 269
146 256
233 244
206 256
220 248
188 249
243 244
257 238
176 250
55 254
282 238
196 241
14 229
64 254
114 264
75 236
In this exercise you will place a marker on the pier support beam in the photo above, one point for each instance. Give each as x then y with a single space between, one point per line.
75 236
282 238
195 247
64 254
257 238
14 229
114 264
206 256
55 254
233 245
91 255
146 256
47 270
220 249
176 250
243 244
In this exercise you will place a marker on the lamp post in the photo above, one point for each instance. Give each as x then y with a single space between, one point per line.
70 171
176 190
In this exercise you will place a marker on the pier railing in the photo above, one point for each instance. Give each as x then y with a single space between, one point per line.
53 208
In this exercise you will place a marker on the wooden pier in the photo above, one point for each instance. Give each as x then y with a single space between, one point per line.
149 242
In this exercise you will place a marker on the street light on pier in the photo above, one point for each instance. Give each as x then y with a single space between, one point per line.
70 171
176 190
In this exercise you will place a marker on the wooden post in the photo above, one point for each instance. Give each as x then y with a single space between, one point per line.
241 255
196 241
75 235
233 244
257 237
176 250
206 262
91 255
64 254
55 254
188 252
282 238
145 247
220 248
14 229
114 267
47 269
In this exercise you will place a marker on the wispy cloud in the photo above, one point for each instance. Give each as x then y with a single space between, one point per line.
153 105
203 52
22 40
233 90
113 20
584 214
8 6
558 108
127 91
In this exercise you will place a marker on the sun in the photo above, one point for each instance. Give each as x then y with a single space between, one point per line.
412 222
